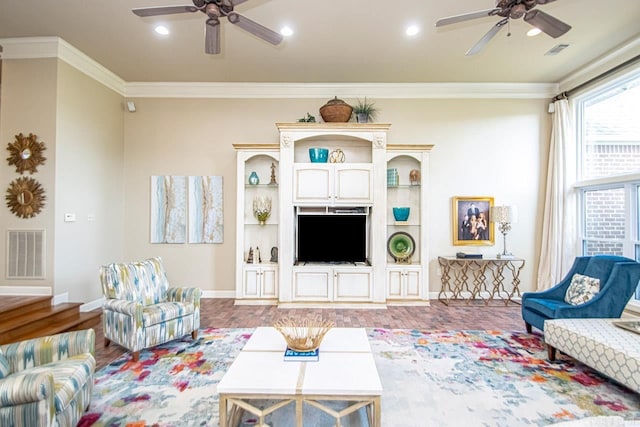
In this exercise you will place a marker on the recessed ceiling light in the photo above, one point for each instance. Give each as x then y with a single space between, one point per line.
412 30
534 32
161 29
286 31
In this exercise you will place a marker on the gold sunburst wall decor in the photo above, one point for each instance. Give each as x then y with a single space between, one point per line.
25 197
26 153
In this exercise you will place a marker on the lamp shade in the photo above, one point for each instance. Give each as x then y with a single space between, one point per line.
503 214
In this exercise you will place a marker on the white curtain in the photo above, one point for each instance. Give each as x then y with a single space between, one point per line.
559 238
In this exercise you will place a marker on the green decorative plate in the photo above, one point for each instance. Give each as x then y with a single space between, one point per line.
401 245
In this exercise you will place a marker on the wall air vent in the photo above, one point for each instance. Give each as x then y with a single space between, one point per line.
557 49
25 254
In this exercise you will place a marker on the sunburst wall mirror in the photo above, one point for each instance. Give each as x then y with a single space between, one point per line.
25 197
26 153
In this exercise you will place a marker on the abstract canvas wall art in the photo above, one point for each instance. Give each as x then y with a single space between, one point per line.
205 209
168 209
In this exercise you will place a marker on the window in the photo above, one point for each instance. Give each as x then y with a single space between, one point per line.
604 221
608 136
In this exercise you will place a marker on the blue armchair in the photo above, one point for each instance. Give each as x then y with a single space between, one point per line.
618 276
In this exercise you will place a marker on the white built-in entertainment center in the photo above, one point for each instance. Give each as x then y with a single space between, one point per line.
326 240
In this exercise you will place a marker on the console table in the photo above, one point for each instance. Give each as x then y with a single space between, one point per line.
466 278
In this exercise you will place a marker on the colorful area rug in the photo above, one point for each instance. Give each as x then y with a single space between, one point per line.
456 378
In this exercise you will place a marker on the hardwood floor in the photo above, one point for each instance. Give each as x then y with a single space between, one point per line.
222 313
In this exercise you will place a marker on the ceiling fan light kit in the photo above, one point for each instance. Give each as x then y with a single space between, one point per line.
215 9
511 9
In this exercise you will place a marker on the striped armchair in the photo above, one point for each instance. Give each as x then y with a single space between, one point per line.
47 381
141 310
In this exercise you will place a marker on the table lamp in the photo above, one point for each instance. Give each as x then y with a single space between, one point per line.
503 216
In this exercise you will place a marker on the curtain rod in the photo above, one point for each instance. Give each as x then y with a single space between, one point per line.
597 78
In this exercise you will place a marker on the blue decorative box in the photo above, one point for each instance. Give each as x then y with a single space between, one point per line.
392 177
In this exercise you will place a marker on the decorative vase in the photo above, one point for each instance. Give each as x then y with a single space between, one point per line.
336 110
318 155
254 179
401 213
262 208
362 117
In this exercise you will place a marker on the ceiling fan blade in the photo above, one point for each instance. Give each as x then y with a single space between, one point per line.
163 10
212 36
546 23
487 37
254 28
237 2
466 17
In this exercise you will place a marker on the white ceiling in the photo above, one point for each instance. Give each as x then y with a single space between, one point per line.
335 41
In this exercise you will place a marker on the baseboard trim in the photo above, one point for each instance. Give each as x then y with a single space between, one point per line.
25 290
334 305
92 305
218 294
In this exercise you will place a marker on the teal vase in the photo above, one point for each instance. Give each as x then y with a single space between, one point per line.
253 178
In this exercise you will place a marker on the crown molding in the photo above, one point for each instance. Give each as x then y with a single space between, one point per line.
344 90
617 56
91 68
55 47
29 47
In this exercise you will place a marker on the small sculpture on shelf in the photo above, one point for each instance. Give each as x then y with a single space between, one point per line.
256 256
273 175
414 177
262 208
274 254
336 156
250 256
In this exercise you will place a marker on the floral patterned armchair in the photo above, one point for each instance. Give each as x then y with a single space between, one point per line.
47 381
141 310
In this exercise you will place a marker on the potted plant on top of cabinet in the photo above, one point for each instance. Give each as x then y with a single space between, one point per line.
365 111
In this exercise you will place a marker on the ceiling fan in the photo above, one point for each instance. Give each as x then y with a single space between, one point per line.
215 9
511 9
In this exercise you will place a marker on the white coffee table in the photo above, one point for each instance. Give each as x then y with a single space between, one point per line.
346 371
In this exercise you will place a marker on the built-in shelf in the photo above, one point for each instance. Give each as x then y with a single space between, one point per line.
356 186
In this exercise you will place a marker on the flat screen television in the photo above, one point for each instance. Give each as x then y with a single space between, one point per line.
332 238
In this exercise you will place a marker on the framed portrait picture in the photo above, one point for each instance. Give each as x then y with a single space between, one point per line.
470 223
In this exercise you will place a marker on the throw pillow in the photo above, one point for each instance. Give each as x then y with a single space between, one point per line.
581 289
4 366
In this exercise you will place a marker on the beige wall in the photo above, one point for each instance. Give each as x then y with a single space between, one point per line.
80 121
492 148
89 182
101 158
28 105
